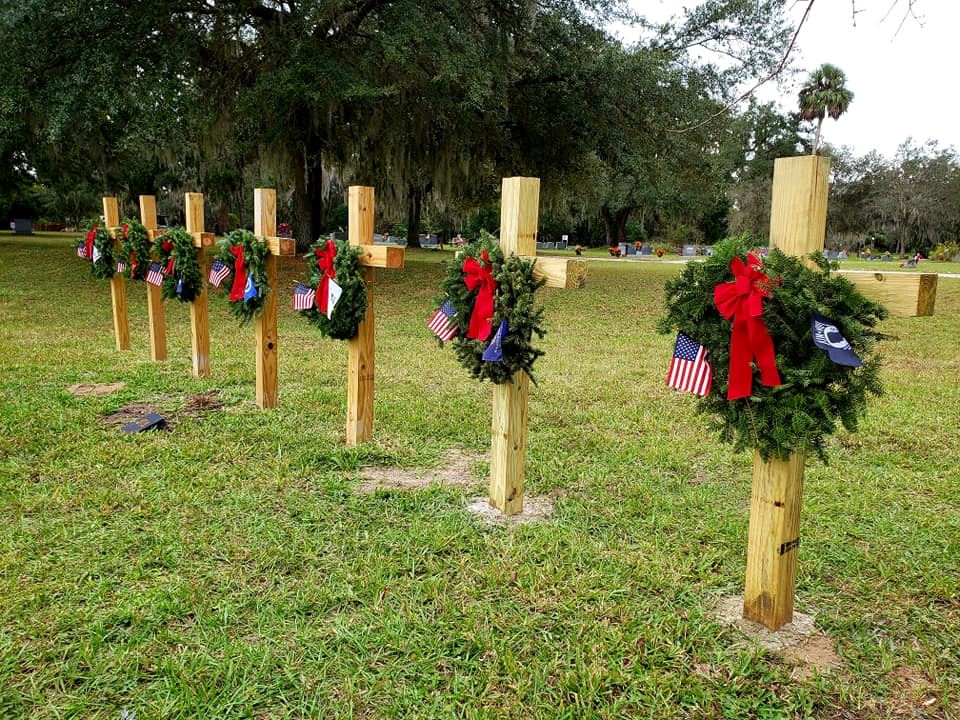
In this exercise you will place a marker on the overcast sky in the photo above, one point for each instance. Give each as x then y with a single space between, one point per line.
904 83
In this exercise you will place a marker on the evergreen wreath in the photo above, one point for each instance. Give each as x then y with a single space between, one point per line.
177 244
136 247
351 308
105 264
255 258
816 393
513 302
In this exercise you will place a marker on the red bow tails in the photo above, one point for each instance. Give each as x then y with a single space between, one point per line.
167 246
742 300
325 256
479 274
88 245
239 273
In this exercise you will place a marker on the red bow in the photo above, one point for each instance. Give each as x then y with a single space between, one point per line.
167 246
742 300
239 273
480 274
325 256
133 263
88 245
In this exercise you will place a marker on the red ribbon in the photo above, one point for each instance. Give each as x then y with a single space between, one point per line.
239 273
742 300
325 256
480 275
133 263
88 245
167 246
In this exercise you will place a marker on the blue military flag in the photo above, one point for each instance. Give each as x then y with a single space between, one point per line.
179 284
494 351
250 291
827 337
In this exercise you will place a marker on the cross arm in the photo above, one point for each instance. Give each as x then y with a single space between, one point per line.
281 245
559 272
382 256
200 239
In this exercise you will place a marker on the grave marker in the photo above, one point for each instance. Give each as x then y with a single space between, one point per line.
118 292
155 317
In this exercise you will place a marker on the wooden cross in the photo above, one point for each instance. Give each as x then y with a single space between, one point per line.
265 228
118 292
519 211
199 315
361 349
158 327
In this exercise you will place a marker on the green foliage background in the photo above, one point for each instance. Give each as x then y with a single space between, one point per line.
816 394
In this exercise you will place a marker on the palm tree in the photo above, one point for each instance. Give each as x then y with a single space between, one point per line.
824 94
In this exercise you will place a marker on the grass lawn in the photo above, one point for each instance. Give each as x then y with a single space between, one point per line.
229 568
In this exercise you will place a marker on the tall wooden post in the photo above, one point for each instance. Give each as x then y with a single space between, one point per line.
265 228
798 219
519 212
118 293
158 326
199 315
361 349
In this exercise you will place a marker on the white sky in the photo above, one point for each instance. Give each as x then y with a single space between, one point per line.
904 83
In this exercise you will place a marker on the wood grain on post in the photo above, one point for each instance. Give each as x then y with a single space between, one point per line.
158 325
905 294
798 221
774 540
118 292
519 211
798 211
199 314
361 349
265 226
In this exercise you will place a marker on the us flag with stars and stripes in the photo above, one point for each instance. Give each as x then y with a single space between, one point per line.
689 369
442 322
218 273
155 275
304 297
121 266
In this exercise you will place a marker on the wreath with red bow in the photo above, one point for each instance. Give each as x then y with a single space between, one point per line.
774 390
98 249
245 257
494 300
337 262
180 263
135 247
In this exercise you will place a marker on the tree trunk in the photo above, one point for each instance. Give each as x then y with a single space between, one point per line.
223 219
414 205
816 138
307 193
615 224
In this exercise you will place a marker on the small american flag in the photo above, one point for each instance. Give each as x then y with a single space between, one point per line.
81 250
304 297
442 322
155 275
121 266
218 273
689 369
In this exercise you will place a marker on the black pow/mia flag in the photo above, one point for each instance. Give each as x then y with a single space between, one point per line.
827 337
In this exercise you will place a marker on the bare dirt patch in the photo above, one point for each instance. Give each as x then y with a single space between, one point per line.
915 691
535 509
799 643
170 407
95 389
456 470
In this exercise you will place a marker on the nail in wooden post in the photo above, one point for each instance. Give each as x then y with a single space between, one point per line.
118 292
155 317
798 221
265 226
361 349
199 315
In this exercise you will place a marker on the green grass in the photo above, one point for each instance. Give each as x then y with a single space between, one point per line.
229 569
